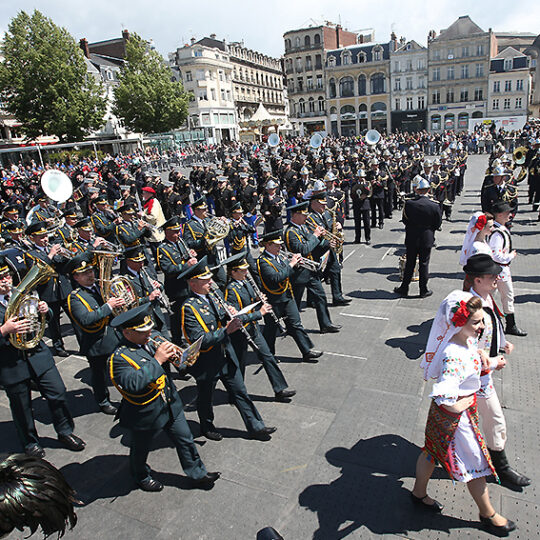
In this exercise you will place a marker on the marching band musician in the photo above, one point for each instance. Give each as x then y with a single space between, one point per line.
378 183
85 240
67 233
195 237
320 217
360 195
148 290
239 234
202 315
90 315
271 207
274 273
494 192
103 219
239 294
173 257
19 367
150 401
55 289
9 215
298 239
43 212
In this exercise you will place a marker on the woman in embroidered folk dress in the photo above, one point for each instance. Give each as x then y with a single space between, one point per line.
453 438
475 240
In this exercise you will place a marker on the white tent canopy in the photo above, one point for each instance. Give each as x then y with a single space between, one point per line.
262 117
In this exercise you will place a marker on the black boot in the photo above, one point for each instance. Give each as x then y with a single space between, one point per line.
506 473
511 327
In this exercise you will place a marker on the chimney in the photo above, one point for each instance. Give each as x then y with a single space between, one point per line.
393 39
432 34
338 28
192 41
212 36
125 34
83 44
402 41
361 38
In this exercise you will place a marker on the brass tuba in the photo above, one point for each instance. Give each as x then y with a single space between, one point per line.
216 230
519 155
24 305
118 286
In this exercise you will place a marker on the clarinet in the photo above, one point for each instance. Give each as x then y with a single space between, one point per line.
230 314
161 298
262 297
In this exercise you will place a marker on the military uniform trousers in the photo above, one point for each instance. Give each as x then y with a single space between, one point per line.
177 429
53 325
52 388
377 211
99 378
416 250
362 217
231 377
288 311
264 355
317 296
332 273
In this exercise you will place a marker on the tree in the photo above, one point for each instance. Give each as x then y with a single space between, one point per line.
44 82
146 98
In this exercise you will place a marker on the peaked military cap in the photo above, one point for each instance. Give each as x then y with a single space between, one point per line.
173 224
85 224
319 196
128 208
79 263
237 207
197 271
135 253
39 227
300 208
275 237
11 209
4 268
200 203
137 318
14 227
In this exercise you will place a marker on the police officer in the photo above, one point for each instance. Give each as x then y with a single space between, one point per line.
150 401
422 217
19 367
173 257
202 315
298 239
91 315
239 294
274 272
54 290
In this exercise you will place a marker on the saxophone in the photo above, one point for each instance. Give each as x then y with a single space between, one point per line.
23 304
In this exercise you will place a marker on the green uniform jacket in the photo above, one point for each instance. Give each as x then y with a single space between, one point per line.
274 274
300 240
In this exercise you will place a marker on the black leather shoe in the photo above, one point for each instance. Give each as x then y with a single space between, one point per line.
342 302
206 481
312 356
213 435
381 225
515 331
109 409
401 292
436 507
497 530
368 242
426 294
285 395
34 450
263 434
72 442
332 329
60 351
149 484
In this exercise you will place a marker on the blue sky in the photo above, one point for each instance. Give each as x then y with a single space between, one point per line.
171 23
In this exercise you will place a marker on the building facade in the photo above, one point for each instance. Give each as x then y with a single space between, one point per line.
534 102
257 78
408 87
304 61
358 88
205 69
458 64
509 84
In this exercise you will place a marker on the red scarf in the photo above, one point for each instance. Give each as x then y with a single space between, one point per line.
148 205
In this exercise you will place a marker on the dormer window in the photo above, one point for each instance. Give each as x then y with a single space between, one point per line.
346 58
331 61
377 54
362 57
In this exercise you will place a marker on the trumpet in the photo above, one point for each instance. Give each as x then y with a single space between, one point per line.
304 262
178 352
333 238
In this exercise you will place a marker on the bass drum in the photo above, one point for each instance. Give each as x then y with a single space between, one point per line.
15 260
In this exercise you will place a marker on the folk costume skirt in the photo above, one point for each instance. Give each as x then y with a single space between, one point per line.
454 441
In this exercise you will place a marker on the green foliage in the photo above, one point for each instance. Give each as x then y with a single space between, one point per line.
71 156
43 80
146 99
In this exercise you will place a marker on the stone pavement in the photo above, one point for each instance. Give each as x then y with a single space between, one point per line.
342 461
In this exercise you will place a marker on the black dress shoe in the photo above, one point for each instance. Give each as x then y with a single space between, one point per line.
206 481
368 242
72 442
60 351
332 329
312 356
109 409
263 434
284 395
213 435
497 530
381 225
425 294
149 484
436 507
34 450
401 292
342 302
515 331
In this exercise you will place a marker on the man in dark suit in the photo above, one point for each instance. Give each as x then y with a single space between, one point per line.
494 192
422 217
18 367
150 401
90 315
203 315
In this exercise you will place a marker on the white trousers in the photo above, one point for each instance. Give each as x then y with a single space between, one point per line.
493 422
506 290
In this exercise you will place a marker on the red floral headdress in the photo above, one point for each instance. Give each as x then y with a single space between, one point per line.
481 222
461 314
